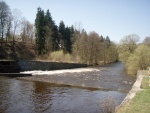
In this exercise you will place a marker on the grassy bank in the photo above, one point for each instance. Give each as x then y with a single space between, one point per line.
141 102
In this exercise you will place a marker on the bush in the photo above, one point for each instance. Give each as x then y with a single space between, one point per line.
108 105
139 60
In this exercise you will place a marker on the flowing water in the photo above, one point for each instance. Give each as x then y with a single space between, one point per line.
21 96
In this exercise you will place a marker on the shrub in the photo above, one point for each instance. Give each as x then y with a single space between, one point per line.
108 105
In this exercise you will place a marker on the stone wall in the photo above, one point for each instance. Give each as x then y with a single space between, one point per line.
40 65
9 66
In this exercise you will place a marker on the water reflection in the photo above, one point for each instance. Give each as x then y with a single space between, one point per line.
36 97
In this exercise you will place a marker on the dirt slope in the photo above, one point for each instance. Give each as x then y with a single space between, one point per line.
19 50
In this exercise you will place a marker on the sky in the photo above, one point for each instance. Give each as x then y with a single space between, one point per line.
113 18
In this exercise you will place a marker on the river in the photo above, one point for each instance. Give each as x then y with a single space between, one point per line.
22 96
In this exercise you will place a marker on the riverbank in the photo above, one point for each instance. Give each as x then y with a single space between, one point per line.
137 100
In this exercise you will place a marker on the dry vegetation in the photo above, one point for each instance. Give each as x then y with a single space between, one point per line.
20 50
59 56
108 105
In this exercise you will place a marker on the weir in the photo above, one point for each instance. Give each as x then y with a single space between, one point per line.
9 66
13 68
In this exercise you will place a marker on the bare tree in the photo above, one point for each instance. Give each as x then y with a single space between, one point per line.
16 21
4 18
130 42
9 26
93 48
27 31
147 41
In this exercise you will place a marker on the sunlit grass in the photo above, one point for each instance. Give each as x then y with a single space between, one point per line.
141 102
144 72
145 83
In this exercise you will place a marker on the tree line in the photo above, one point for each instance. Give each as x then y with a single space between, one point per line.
50 37
91 48
135 55
13 26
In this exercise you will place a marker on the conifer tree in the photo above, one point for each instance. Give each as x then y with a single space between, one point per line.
51 33
48 31
67 40
40 31
62 35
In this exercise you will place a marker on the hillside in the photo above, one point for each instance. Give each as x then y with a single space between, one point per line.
19 50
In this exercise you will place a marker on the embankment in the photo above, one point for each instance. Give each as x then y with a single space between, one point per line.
135 88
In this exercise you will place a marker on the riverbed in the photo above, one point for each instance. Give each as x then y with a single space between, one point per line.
81 92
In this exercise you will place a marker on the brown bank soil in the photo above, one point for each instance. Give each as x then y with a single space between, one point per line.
137 100
18 50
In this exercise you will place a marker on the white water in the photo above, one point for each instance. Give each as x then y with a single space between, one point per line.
39 72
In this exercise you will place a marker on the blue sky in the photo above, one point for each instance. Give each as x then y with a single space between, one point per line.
115 18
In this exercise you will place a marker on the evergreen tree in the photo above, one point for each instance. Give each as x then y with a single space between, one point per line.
66 37
55 37
62 35
47 39
40 31
68 44
101 38
48 31
51 33
107 39
72 35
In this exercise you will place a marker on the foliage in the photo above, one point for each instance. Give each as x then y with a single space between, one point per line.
51 33
66 34
49 38
59 56
138 60
127 46
92 50
135 56
129 42
40 32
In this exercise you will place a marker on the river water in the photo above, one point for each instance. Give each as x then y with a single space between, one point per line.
22 96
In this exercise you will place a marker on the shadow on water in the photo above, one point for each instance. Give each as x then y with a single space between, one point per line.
32 97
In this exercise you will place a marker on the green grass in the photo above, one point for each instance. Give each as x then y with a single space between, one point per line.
145 83
144 72
141 102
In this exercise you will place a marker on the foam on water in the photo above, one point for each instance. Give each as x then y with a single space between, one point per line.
39 72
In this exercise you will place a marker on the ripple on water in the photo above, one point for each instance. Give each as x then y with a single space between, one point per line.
29 97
